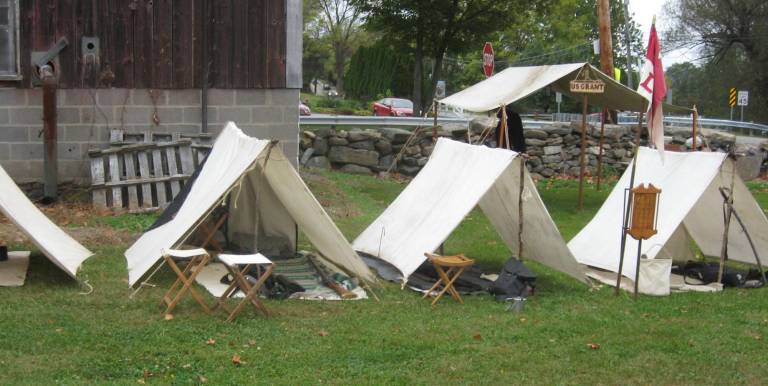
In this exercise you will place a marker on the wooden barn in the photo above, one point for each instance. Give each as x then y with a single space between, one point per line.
118 69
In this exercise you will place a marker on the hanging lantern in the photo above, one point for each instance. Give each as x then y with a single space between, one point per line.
645 206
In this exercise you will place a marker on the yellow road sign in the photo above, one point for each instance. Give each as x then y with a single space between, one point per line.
732 97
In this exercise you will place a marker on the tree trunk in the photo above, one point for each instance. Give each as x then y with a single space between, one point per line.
340 59
417 73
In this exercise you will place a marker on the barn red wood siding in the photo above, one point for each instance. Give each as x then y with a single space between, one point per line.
158 43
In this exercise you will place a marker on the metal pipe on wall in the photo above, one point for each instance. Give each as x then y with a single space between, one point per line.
50 135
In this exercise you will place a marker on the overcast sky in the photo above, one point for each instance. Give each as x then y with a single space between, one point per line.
643 11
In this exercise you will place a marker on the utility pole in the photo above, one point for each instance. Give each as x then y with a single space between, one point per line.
628 43
606 44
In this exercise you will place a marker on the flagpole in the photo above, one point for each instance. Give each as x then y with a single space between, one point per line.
625 224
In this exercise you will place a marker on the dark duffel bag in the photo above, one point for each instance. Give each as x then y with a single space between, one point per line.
515 280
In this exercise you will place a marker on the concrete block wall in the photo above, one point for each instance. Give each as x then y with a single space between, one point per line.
86 116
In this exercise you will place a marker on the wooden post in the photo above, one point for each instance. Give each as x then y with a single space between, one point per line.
600 149
520 209
434 124
639 128
583 156
695 128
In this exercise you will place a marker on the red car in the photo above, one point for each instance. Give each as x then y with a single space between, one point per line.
393 107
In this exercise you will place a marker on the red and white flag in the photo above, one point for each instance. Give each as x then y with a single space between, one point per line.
654 89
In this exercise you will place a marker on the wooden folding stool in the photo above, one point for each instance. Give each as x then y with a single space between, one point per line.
240 282
196 259
455 265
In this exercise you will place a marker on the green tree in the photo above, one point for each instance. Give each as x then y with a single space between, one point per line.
434 28
731 38
340 21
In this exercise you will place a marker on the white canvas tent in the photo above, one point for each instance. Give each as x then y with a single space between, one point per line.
515 83
458 177
264 202
53 242
690 210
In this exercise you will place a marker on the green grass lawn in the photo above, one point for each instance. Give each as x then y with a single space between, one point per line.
50 332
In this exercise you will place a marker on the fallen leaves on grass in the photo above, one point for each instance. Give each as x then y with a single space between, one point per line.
477 337
168 316
593 346
236 360
323 333
202 379
210 342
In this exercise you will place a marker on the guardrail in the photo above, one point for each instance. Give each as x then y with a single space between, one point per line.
747 128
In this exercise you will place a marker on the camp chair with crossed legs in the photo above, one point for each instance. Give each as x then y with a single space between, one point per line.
196 260
241 282
455 265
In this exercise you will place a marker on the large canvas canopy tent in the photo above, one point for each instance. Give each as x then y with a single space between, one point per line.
516 83
265 198
690 210
458 177
53 242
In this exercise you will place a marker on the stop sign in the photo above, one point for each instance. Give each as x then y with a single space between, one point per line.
488 59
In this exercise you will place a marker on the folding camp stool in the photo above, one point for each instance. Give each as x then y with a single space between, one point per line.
196 259
240 282
455 265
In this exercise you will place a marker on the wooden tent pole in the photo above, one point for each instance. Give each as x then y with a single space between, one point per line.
728 212
434 123
520 209
600 148
502 142
583 155
695 128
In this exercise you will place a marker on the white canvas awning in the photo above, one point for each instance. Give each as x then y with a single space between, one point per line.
690 209
515 83
53 242
458 177
265 203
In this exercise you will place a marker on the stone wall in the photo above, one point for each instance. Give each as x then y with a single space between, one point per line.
85 118
553 149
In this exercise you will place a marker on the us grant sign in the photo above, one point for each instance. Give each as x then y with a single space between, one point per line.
588 86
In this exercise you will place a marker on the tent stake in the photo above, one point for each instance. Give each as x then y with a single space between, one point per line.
625 225
582 157
600 151
637 266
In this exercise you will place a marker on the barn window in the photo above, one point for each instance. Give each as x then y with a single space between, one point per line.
9 39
